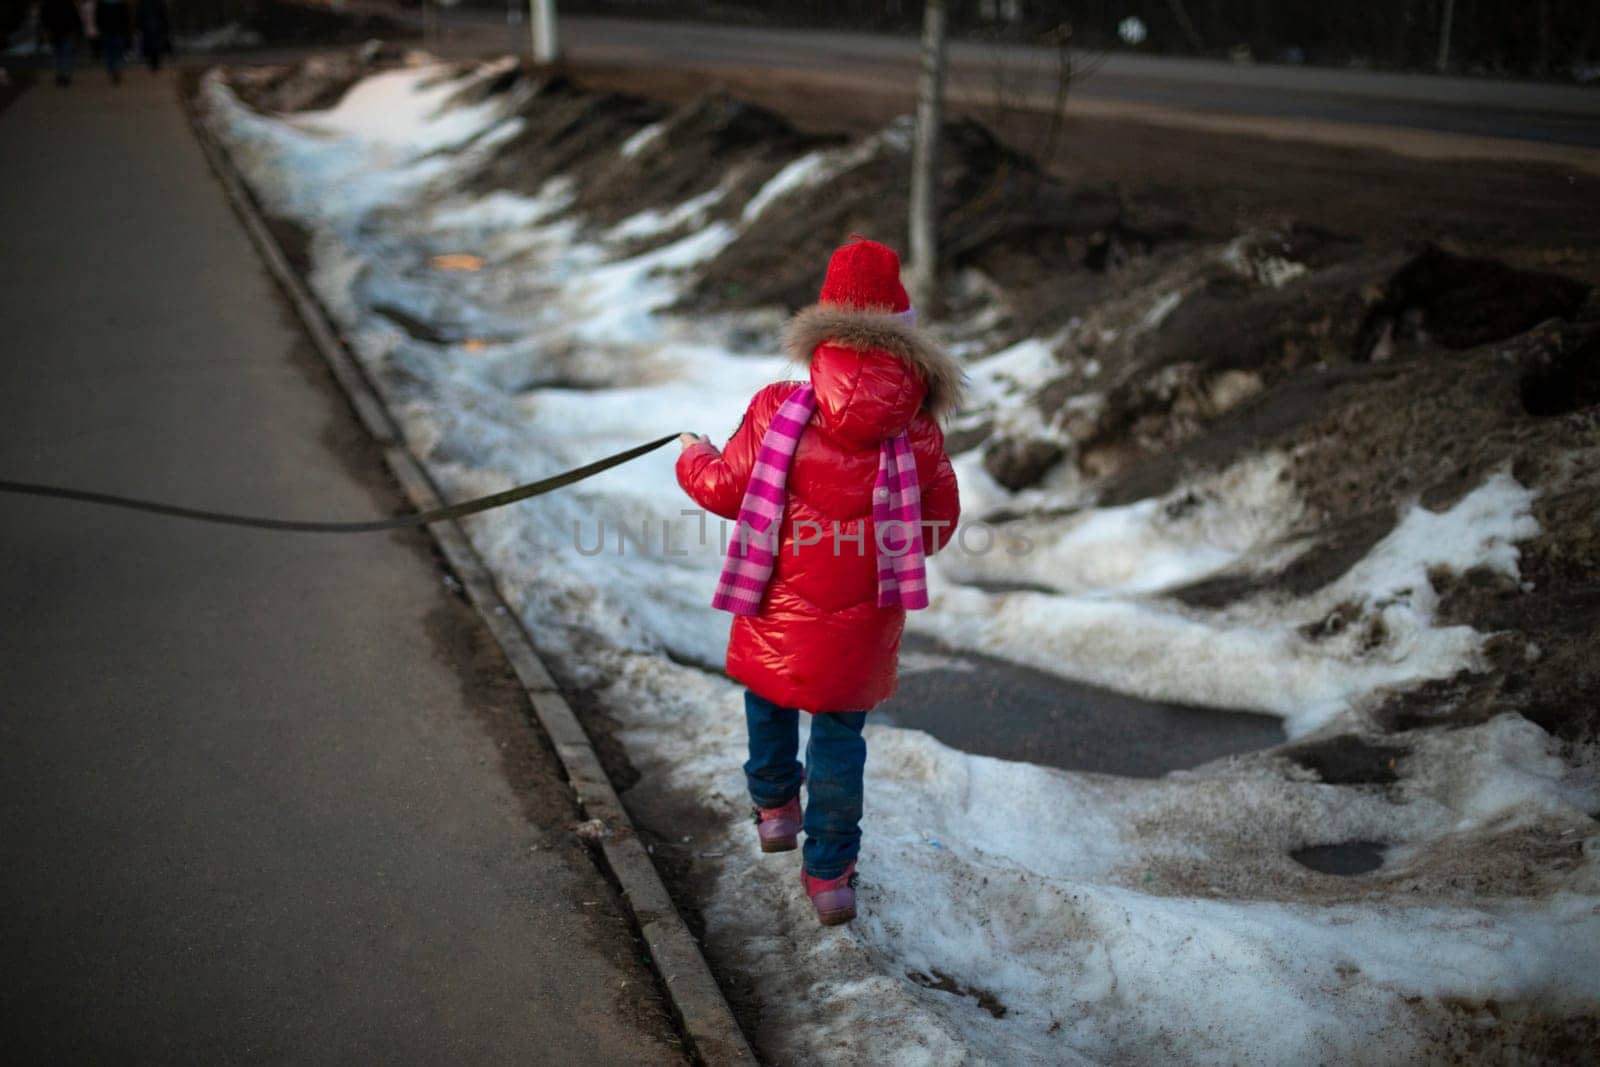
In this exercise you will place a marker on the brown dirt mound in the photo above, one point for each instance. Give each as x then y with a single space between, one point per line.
1461 303
565 130
1240 364
1000 214
1259 331
1435 430
1388 382
1235 364
313 84
714 140
1564 378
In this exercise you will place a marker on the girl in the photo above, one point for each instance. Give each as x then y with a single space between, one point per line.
840 486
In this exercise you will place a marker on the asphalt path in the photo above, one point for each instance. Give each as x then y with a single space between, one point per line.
264 797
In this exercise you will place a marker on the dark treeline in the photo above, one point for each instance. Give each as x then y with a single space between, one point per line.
188 16
1538 38
274 21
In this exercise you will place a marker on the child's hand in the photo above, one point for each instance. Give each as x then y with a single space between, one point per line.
687 439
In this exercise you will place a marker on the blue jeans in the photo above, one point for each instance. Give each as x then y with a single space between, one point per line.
66 49
836 756
115 46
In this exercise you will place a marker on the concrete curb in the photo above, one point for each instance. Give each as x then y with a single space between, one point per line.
702 1010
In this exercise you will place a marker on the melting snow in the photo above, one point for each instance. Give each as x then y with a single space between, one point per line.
814 168
1166 305
649 223
1254 656
642 140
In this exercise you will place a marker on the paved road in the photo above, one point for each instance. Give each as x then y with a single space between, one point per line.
1562 114
1478 107
262 797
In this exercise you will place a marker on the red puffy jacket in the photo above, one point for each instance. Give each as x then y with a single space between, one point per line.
821 642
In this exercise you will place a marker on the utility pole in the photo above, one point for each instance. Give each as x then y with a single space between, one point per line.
1445 25
546 44
1186 24
925 162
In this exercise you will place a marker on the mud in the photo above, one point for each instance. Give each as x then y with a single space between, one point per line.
1462 303
1443 425
563 127
945 984
1328 554
715 141
999 214
1346 759
1464 869
1531 1030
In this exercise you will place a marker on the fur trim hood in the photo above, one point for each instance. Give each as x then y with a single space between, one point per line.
865 330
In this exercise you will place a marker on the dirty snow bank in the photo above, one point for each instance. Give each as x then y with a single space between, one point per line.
1078 905
1011 913
1255 655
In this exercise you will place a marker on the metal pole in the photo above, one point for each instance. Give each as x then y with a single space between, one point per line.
546 43
1445 25
1186 24
925 162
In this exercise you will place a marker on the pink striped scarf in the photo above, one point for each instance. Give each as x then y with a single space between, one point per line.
896 515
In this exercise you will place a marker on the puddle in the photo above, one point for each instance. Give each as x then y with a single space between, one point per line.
1348 760
997 586
1343 859
991 707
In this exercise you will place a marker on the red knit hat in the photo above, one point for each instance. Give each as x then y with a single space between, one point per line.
865 274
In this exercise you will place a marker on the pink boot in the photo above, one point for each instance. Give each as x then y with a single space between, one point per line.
779 826
834 898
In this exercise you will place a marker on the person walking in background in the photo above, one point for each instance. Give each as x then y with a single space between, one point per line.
115 23
841 487
61 23
155 33
91 34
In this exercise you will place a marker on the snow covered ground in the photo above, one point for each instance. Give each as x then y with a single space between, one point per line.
1011 913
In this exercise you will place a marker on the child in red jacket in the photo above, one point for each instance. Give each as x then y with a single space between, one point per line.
841 487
